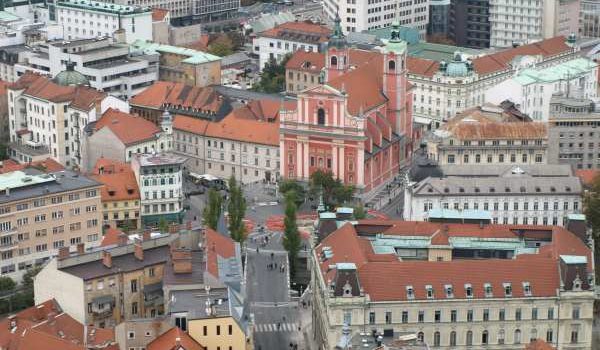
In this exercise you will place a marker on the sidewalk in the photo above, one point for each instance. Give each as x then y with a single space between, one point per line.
305 337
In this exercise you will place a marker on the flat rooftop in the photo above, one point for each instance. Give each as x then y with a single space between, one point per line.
105 7
31 183
160 159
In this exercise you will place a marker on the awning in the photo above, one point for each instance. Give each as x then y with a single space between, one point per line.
421 120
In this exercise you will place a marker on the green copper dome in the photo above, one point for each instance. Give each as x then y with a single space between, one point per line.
70 77
394 43
337 39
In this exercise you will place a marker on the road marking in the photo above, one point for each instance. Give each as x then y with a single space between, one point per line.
272 327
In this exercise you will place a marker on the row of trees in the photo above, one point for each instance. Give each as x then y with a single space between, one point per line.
236 207
15 297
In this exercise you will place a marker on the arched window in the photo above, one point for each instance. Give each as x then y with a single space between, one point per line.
392 65
436 339
484 337
453 338
421 336
333 61
321 116
469 338
517 336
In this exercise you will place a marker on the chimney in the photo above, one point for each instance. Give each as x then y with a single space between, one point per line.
80 248
106 259
146 235
122 239
138 251
63 253
173 228
177 342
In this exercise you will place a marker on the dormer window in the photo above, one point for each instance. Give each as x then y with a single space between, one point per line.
507 189
111 192
568 189
487 287
446 190
527 289
507 289
468 290
410 292
522 189
429 290
552 189
477 189
461 190
449 291
347 290
537 189
492 189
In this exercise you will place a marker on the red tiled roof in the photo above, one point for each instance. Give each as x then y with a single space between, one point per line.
128 128
48 165
111 237
421 66
45 326
306 61
174 339
586 176
217 245
256 122
539 344
500 61
118 178
39 86
320 32
540 270
158 14
163 93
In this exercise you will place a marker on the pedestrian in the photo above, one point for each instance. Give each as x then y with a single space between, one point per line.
256 250
275 265
272 256
278 326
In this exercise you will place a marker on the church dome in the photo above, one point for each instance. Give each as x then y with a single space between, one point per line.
337 39
70 77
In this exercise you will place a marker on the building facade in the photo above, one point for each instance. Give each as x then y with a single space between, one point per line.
358 16
182 65
590 19
544 195
571 132
160 180
442 89
106 64
303 71
245 144
531 89
529 21
469 23
92 19
357 124
42 213
439 13
276 43
365 280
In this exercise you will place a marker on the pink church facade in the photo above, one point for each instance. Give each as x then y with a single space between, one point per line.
356 124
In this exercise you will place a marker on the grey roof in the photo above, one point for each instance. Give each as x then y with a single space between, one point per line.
236 58
122 263
271 20
195 277
65 181
498 186
247 95
534 170
193 302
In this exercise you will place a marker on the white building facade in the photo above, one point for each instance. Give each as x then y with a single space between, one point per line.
514 195
91 19
532 89
358 16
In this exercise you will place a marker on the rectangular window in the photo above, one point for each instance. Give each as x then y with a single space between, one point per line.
404 316
133 286
421 316
469 315
486 314
438 316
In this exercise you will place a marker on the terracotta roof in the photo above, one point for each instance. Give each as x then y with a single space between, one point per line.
119 181
165 93
539 344
306 31
45 326
39 86
174 339
3 86
217 245
306 61
48 165
540 270
586 176
256 122
201 44
128 128
359 57
158 14
500 61
486 130
111 237
421 66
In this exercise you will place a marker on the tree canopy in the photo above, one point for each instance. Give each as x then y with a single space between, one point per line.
335 193
272 78
289 185
291 236
212 210
236 210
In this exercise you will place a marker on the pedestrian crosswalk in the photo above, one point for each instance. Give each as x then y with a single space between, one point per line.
272 327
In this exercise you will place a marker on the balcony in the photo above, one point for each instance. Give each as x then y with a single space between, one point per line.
102 306
153 295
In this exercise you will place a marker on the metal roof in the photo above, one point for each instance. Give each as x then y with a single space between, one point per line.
459 214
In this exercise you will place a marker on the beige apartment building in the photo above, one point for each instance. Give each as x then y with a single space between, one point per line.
41 213
456 286
489 135
110 286
303 71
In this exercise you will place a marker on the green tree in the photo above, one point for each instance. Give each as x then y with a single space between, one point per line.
236 211
163 225
3 151
7 284
359 212
212 211
272 78
291 236
288 185
335 193
221 46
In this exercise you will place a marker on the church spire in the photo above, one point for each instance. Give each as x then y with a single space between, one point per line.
337 39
